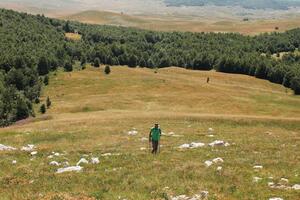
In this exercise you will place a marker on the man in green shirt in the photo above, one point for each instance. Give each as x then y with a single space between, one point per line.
154 137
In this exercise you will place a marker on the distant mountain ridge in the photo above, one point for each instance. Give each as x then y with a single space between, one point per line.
248 4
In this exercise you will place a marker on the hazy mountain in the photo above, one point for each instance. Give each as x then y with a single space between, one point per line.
250 4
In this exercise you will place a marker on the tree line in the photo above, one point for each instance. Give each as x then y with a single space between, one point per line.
33 46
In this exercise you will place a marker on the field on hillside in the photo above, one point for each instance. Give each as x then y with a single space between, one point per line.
187 23
94 115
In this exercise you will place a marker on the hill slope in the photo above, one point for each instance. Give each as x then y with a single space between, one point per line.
92 113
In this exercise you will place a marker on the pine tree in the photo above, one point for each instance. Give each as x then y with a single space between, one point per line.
43 109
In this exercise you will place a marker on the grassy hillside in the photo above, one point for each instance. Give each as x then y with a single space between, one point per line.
91 115
191 24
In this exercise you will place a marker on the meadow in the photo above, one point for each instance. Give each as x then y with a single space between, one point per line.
92 113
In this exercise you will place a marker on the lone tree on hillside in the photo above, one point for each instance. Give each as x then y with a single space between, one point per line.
43 109
97 62
107 70
48 102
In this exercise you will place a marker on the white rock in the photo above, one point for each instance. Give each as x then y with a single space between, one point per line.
57 154
210 129
33 153
6 148
257 167
144 139
275 198
69 169
54 163
51 156
218 143
14 162
296 187
270 184
208 163
95 160
142 148
196 145
210 136
29 147
65 164
192 145
110 154
284 180
256 179
82 160
133 132
219 168
184 146
218 160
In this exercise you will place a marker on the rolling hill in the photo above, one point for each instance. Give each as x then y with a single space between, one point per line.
92 115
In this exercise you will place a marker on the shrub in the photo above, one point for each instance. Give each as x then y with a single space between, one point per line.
68 67
43 109
97 62
46 80
107 70
48 102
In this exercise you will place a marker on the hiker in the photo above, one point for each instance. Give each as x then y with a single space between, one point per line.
154 137
207 80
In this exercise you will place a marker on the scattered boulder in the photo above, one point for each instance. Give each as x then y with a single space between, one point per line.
144 139
202 195
256 179
276 198
219 143
14 162
95 160
69 169
82 160
296 187
6 148
133 132
33 153
284 181
219 168
54 163
258 167
208 163
217 160
28 148
192 145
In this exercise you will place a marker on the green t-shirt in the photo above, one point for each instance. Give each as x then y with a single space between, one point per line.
155 134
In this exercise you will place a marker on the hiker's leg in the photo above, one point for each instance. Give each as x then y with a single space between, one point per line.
153 146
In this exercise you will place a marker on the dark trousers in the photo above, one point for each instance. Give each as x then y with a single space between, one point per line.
154 146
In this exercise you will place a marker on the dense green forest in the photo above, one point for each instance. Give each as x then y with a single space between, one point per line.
249 4
32 46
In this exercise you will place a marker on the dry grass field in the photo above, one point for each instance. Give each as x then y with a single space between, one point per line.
92 113
193 24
